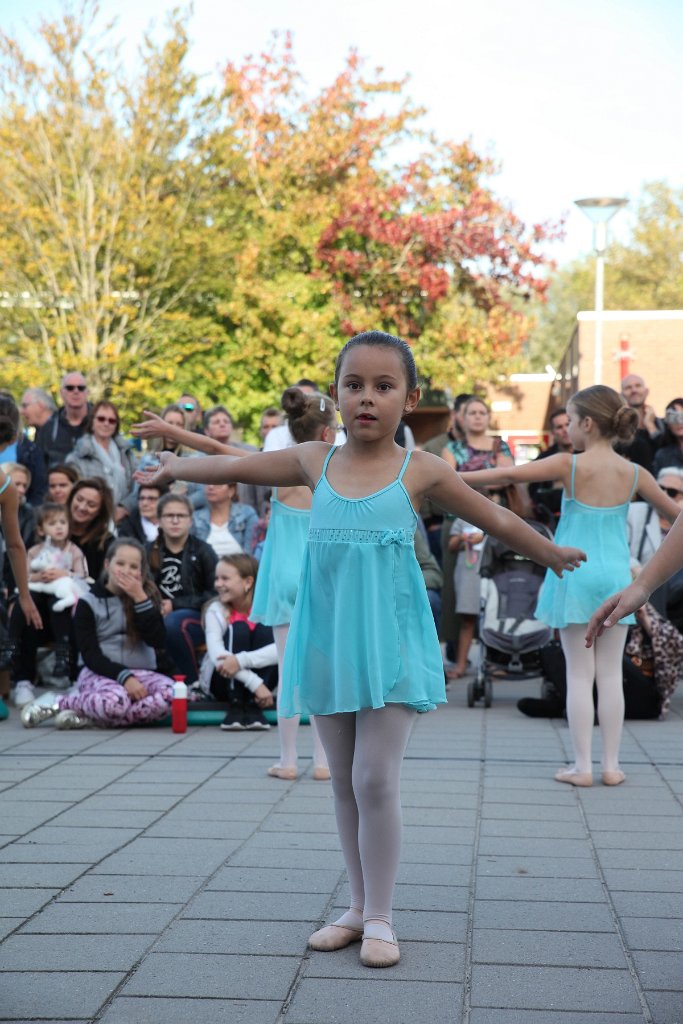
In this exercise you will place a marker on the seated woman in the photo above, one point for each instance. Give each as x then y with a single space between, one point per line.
103 452
119 629
91 512
183 569
240 665
143 522
227 525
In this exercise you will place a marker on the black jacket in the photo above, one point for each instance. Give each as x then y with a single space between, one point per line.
131 526
30 455
57 438
197 573
115 657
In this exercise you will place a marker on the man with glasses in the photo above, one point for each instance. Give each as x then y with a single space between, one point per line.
58 436
650 431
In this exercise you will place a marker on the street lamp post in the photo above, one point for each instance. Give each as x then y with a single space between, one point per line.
599 212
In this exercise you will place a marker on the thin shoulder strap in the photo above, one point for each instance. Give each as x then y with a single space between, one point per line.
327 458
635 481
571 485
8 481
404 466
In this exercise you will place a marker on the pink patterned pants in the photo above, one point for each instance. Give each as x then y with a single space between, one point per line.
107 703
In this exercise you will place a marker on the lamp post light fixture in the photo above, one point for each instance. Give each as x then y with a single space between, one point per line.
599 212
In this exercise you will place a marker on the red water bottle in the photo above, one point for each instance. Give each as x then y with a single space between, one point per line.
179 705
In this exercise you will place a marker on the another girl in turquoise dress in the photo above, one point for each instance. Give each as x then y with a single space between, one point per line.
310 418
598 487
363 653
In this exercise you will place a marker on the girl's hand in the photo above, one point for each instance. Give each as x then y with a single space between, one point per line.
134 688
165 474
263 697
566 559
31 613
151 427
228 665
129 583
166 606
50 575
614 609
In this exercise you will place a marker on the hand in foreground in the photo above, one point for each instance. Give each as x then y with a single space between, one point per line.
227 666
566 559
614 609
163 474
263 697
134 688
152 426
31 613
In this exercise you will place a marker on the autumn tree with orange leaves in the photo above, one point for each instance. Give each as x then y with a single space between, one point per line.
164 236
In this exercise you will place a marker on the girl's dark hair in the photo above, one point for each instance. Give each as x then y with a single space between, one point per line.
48 510
379 338
307 413
99 528
615 420
164 500
9 419
148 584
69 471
102 404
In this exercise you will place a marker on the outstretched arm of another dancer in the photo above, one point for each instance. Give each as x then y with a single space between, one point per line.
445 488
667 560
154 426
290 467
555 467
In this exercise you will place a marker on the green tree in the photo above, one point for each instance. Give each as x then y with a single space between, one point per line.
103 232
646 272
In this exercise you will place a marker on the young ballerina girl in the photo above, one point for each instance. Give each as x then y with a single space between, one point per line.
119 629
598 487
310 418
362 653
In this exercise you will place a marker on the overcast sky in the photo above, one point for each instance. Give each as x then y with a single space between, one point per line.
572 99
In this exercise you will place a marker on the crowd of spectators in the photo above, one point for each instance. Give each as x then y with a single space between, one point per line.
123 569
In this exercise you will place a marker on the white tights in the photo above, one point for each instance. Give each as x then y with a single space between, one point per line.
287 727
365 750
601 663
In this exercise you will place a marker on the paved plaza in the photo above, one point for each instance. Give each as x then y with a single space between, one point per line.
150 878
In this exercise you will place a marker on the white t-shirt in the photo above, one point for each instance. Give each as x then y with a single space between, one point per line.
280 437
150 529
222 541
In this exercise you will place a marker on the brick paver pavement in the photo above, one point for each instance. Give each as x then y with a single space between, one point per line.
152 878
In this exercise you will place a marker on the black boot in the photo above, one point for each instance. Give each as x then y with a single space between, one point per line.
62 667
540 707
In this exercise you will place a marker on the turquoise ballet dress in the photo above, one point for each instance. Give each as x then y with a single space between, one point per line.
283 553
601 533
362 634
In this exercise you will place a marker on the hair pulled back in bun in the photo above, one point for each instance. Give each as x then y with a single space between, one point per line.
615 420
307 414
9 420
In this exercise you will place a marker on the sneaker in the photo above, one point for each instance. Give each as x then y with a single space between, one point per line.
69 719
255 720
37 711
232 722
24 693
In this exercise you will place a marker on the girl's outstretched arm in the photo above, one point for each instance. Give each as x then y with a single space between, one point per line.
667 559
446 489
555 467
9 500
650 491
153 426
289 467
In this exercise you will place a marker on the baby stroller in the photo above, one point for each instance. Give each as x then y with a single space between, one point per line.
510 638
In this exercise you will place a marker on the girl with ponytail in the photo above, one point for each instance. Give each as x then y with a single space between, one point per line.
598 488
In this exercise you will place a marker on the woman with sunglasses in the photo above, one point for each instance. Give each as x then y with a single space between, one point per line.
671 451
102 452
